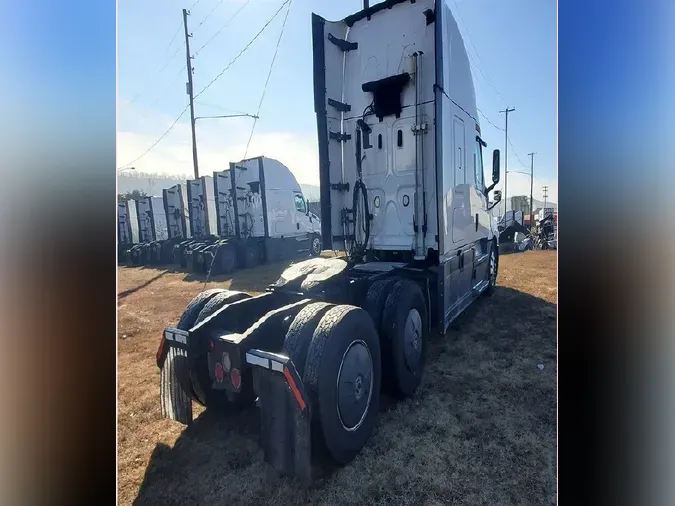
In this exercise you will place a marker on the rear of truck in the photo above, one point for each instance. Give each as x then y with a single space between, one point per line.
314 350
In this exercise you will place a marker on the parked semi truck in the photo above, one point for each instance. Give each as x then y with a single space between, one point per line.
152 231
127 228
257 213
403 192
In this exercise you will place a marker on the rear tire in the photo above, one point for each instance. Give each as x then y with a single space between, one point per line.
315 245
218 301
250 255
191 313
404 324
342 377
375 300
226 259
491 271
299 335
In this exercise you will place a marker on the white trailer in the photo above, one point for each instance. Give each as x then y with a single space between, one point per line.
152 224
176 209
201 207
127 223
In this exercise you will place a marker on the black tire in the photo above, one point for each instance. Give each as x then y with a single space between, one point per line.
491 274
314 245
299 334
250 255
218 301
191 313
226 259
404 349
375 300
343 330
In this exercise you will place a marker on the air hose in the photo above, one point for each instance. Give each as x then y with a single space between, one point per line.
359 248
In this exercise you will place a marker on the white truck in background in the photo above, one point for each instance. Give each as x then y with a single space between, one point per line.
251 213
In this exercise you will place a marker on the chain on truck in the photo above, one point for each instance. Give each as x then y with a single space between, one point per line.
403 193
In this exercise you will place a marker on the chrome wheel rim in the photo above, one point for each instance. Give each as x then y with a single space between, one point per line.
354 385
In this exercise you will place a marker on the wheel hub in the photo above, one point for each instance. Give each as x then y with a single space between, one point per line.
354 385
412 336
316 245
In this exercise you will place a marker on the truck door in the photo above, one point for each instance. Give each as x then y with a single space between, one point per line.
302 223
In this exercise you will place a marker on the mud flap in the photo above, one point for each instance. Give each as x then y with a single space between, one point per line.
174 389
284 414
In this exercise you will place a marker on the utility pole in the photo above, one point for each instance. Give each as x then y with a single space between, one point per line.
506 154
531 155
545 195
190 92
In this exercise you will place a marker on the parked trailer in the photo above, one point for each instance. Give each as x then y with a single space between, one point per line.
201 224
402 189
152 231
127 229
262 216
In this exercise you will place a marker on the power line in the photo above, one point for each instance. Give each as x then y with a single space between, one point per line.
193 5
243 50
221 29
488 119
208 15
157 141
157 73
516 153
468 36
269 74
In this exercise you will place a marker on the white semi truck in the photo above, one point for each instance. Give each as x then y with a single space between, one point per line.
403 192
251 213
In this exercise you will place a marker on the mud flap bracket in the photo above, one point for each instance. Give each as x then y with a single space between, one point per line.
284 414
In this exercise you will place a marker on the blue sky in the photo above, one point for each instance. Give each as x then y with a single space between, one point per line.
512 45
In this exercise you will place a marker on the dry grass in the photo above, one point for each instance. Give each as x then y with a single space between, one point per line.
481 430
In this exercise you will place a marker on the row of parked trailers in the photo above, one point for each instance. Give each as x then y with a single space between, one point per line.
249 214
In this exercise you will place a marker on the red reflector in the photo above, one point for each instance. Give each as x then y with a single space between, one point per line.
235 377
211 345
160 350
219 373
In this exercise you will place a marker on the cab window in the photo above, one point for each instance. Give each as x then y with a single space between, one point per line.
300 203
478 166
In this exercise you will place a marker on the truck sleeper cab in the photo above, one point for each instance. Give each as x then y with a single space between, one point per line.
402 191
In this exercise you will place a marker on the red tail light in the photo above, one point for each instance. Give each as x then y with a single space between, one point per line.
235 376
160 351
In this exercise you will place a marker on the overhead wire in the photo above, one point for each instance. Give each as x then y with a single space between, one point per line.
220 30
219 75
488 119
166 64
157 141
468 36
208 15
269 74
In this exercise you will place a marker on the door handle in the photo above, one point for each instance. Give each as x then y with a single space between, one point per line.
476 222
297 226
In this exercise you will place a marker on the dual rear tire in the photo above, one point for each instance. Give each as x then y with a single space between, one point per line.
346 354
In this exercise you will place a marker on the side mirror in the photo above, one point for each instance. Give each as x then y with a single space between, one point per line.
497 196
495 166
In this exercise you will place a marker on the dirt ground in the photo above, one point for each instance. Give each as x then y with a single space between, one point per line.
480 430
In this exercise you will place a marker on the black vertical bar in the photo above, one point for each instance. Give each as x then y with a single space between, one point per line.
263 192
319 64
233 177
216 195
